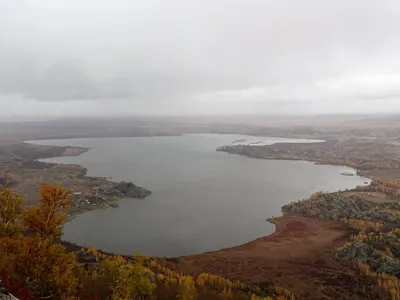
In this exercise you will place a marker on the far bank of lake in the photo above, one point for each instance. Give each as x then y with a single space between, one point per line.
202 199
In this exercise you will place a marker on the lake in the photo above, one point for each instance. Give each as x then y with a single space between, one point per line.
202 199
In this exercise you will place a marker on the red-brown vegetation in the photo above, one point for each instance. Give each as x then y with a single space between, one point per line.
298 256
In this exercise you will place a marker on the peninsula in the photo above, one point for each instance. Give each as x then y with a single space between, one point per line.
23 172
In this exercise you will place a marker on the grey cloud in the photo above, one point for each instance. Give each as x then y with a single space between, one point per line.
63 80
191 56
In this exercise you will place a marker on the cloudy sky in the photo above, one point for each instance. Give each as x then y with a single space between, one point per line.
129 57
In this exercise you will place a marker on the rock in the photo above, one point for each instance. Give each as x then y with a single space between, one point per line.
2 288
4 294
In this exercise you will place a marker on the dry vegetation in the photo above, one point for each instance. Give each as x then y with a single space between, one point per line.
375 250
376 256
298 256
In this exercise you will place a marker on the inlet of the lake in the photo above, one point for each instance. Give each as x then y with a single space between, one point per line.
202 199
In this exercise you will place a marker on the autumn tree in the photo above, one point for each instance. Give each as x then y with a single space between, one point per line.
47 218
11 208
17 290
226 294
126 280
37 260
187 288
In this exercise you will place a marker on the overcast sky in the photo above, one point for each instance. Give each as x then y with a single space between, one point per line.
128 57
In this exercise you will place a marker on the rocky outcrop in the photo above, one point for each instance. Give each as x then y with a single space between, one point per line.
127 189
4 294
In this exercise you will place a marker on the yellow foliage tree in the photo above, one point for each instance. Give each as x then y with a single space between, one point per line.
127 280
37 260
11 208
187 288
46 219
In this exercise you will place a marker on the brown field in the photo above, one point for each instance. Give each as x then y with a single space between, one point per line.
298 256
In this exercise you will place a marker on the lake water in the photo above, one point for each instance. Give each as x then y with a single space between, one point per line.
202 199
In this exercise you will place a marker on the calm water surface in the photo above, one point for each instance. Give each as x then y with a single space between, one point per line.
202 200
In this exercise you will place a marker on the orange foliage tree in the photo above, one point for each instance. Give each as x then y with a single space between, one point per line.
35 259
46 219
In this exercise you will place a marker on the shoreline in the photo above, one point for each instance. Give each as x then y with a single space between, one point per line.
318 163
270 153
271 258
28 171
301 254
76 151
281 217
